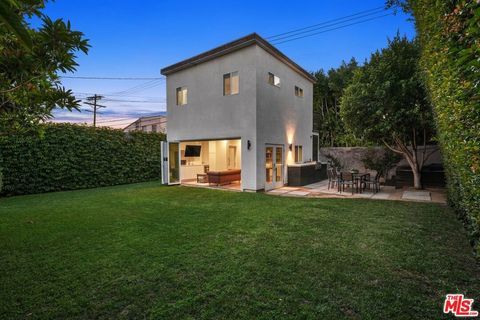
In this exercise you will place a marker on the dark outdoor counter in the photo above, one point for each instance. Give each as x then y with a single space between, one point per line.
306 173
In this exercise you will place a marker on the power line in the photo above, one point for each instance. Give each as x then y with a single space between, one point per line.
324 26
117 120
113 78
115 95
328 21
340 27
138 88
133 101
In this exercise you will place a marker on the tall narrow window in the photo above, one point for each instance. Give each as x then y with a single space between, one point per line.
230 83
298 154
298 91
182 94
154 128
273 80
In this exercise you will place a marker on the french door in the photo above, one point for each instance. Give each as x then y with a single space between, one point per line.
170 153
274 167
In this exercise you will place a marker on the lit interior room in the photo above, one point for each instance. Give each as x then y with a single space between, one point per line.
213 162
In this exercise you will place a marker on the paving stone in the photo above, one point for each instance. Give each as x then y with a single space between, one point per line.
363 195
381 195
299 193
417 195
278 191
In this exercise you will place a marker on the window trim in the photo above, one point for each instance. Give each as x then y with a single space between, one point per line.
177 91
230 76
298 156
273 76
298 92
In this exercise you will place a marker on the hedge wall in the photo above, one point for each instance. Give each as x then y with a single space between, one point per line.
449 33
66 157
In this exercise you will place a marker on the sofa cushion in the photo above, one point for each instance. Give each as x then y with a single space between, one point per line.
224 173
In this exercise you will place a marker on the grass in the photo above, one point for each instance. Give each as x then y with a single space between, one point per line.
148 251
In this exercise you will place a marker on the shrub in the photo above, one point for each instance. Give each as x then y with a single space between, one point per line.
380 163
449 36
334 162
67 157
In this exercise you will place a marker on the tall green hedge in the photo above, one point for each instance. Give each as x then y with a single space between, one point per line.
449 33
66 157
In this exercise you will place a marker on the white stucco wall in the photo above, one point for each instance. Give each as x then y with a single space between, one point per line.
260 112
282 117
211 115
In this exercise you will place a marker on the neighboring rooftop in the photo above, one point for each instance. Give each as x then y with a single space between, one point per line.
235 45
147 118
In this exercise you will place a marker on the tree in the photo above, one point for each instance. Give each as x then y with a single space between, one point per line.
13 22
327 93
30 88
386 103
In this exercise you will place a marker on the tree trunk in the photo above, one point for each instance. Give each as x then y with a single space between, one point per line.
417 178
411 157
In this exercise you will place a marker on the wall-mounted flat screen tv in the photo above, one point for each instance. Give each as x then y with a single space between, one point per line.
192 151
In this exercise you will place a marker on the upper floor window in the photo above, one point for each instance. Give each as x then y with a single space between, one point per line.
273 79
144 128
154 128
298 91
230 83
182 93
298 154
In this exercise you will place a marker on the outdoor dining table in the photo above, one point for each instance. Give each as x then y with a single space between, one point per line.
354 179
360 176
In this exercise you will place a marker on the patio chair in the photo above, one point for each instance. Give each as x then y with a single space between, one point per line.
373 182
332 178
347 179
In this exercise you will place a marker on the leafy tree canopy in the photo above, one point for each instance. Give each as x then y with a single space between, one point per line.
30 88
327 93
386 102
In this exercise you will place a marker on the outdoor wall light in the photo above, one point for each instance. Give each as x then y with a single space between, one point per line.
249 144
290 146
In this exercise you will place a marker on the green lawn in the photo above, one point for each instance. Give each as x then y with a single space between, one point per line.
148 251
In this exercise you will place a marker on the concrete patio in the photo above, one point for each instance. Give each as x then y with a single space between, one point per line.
320 190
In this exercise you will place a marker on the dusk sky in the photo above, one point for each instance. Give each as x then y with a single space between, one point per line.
138 38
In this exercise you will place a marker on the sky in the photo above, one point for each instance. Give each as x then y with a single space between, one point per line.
137 38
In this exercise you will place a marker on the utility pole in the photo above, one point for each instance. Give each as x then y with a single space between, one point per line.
93 101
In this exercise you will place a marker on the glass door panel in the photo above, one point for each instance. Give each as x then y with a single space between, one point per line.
278 164
173 163
274 167
269 164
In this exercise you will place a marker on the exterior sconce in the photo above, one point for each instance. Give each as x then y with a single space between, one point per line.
290 146
249 144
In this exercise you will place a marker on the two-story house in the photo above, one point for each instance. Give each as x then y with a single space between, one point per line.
243 106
